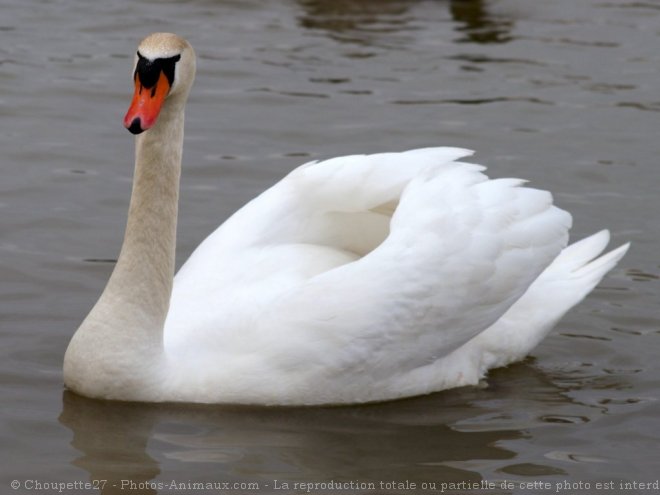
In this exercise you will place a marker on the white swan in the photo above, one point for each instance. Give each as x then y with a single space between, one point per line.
361 278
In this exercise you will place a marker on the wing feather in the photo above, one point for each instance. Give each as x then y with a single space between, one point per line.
387 261
460 251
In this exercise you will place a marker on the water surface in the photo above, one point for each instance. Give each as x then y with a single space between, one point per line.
562 93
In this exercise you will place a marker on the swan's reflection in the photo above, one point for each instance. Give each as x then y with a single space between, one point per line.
424 439
112 438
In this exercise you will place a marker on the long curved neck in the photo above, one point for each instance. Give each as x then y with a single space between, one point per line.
134 304
116 351
145 268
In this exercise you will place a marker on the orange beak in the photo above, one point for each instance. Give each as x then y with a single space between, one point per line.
146 105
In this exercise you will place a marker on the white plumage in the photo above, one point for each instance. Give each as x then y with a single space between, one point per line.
355 279
358 278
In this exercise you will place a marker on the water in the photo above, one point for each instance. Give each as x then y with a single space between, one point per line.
562 93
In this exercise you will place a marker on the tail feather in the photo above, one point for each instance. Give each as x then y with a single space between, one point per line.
581 266
568 279
597 268
578 254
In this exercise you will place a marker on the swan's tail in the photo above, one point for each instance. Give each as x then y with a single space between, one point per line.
570 277
579 268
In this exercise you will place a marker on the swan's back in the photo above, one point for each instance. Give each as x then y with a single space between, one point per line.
353 272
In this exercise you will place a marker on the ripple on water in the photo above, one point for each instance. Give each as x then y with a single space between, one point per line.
531 470
645 106
640 276
576 457
563 419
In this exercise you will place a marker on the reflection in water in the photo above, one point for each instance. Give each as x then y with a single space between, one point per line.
384 23
261 445
479 25
428 439
112 438
363 22
345 15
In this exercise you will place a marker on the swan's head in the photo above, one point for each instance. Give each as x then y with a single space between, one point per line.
164 70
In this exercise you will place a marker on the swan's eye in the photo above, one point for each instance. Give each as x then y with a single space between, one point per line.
149 71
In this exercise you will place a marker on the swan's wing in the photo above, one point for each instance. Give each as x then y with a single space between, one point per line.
322 215
460 251
383 262
320 202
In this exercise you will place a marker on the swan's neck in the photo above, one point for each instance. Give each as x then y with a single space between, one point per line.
123 334
142 278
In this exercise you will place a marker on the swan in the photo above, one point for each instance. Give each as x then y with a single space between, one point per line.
355 279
